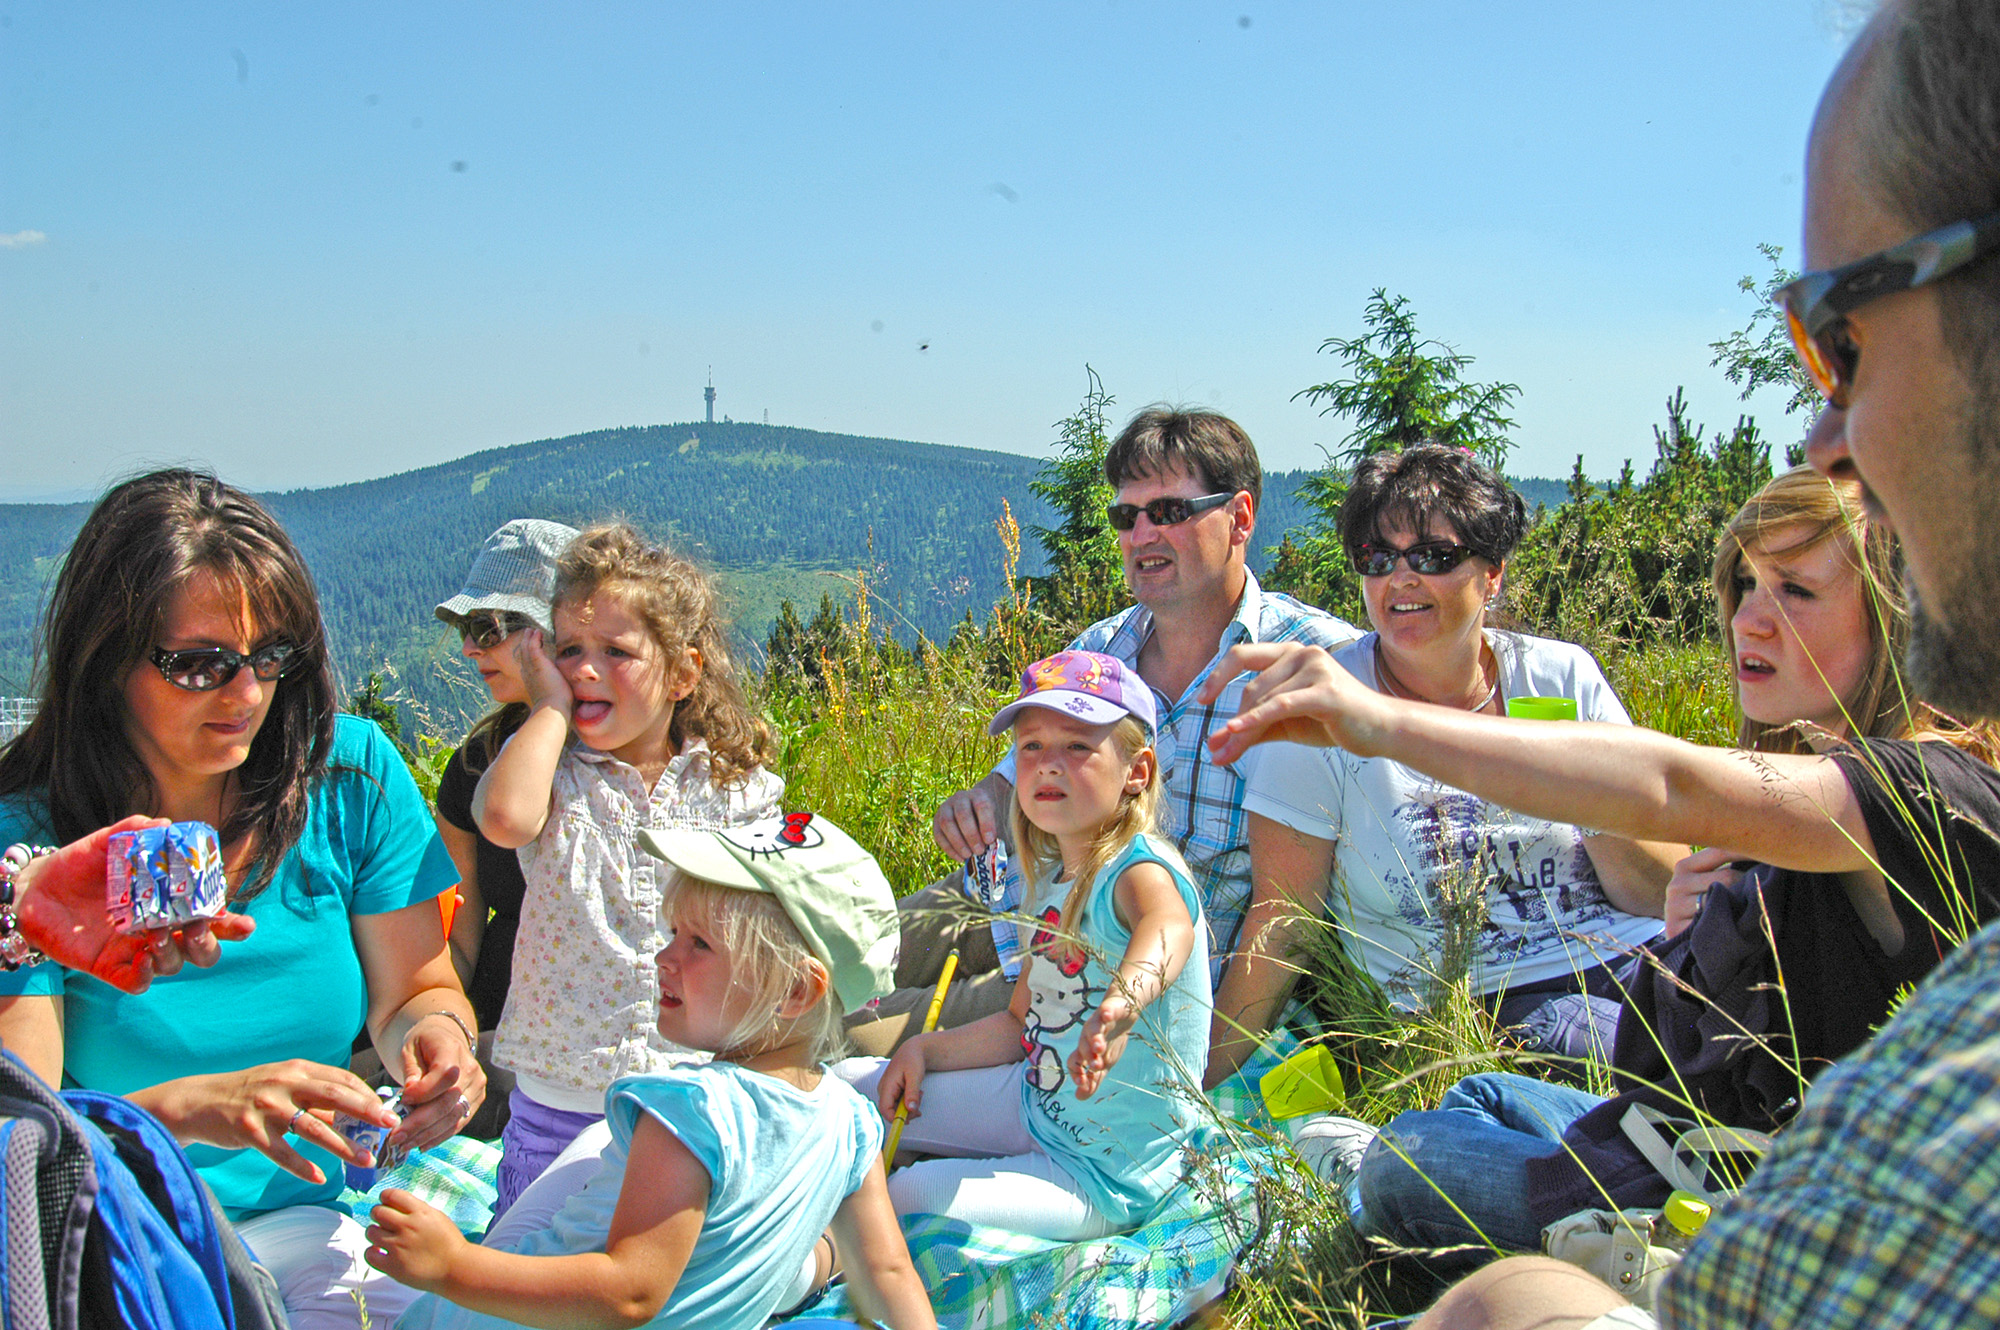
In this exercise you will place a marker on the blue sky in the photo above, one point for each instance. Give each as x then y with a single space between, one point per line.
310 244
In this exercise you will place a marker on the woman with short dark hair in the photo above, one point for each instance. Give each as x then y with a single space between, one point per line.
1424 881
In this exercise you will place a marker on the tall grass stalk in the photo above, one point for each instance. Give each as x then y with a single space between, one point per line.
884 734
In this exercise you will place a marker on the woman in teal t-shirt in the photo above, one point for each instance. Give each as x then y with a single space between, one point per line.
186 676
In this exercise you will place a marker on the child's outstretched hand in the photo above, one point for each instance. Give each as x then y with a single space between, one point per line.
413 1243
902 1080
1101 1044
539 675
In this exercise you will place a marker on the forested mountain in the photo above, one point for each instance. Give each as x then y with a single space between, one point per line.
774 510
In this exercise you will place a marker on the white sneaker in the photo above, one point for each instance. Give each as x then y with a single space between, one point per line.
1332 1147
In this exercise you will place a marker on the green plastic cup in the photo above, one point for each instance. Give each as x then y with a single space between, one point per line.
1542 708
1306 1082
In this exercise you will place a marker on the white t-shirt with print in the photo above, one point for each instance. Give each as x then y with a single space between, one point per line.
1405 843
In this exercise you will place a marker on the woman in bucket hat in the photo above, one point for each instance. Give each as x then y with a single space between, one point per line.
507 590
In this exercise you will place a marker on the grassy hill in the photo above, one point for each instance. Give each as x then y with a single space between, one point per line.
779 513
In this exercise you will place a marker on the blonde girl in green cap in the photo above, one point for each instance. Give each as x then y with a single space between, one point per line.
701 1199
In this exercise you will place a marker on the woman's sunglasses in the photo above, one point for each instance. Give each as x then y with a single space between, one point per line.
205 669
1170 511
487 631
1427 559
1817 304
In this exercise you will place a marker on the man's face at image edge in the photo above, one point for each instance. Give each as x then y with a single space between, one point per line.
1920 436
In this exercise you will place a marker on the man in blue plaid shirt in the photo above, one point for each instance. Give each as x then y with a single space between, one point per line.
1880 1204
1186 488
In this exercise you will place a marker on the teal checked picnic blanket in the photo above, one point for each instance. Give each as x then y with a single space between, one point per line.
991 1279
1156 1275
455 1176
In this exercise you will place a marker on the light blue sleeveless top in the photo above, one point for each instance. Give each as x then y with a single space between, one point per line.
1123 1144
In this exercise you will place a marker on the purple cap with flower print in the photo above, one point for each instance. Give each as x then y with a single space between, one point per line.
1093 687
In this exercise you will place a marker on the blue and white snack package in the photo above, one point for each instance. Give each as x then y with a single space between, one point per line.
368 1136
163 877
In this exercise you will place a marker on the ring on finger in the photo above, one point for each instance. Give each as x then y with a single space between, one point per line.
293 1124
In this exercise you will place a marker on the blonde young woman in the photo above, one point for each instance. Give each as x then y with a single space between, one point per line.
1870 818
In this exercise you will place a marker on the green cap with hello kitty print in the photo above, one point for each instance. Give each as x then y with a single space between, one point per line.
831 889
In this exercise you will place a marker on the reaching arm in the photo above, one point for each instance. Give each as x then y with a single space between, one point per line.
988 1042
660 1211
423 1027
1790 811
515 793
880 1279
1290 873
1151 908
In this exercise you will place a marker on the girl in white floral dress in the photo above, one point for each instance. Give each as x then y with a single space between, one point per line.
636 720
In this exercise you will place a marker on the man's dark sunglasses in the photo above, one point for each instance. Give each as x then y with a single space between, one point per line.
1427 559
1817 304
205 669
487 631
1170 511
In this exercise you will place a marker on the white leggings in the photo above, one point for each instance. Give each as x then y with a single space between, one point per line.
315 1254
998 1175
533 1210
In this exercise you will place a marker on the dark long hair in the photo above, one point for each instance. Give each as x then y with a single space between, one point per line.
142 543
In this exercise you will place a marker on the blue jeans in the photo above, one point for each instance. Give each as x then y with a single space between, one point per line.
1458 1176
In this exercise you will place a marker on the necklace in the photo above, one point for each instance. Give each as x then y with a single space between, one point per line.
1397 688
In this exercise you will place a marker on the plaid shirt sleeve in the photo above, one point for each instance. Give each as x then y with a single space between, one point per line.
1880 1204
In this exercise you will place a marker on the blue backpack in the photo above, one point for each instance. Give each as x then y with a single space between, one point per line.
104 1223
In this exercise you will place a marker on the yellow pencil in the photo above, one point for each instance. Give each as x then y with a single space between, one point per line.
930 1023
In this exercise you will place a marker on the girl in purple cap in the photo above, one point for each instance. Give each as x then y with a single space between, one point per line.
1068 1113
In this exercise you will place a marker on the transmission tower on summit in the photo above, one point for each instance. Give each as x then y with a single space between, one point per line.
708 395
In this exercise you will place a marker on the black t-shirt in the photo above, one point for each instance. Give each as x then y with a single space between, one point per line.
500 885
1933 813
1931 810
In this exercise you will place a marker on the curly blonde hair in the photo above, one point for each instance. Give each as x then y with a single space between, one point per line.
681 609
1041 856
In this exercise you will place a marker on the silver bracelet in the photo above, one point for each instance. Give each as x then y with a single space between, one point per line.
471 1041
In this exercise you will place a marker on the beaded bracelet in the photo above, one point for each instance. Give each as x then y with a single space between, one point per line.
15 949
